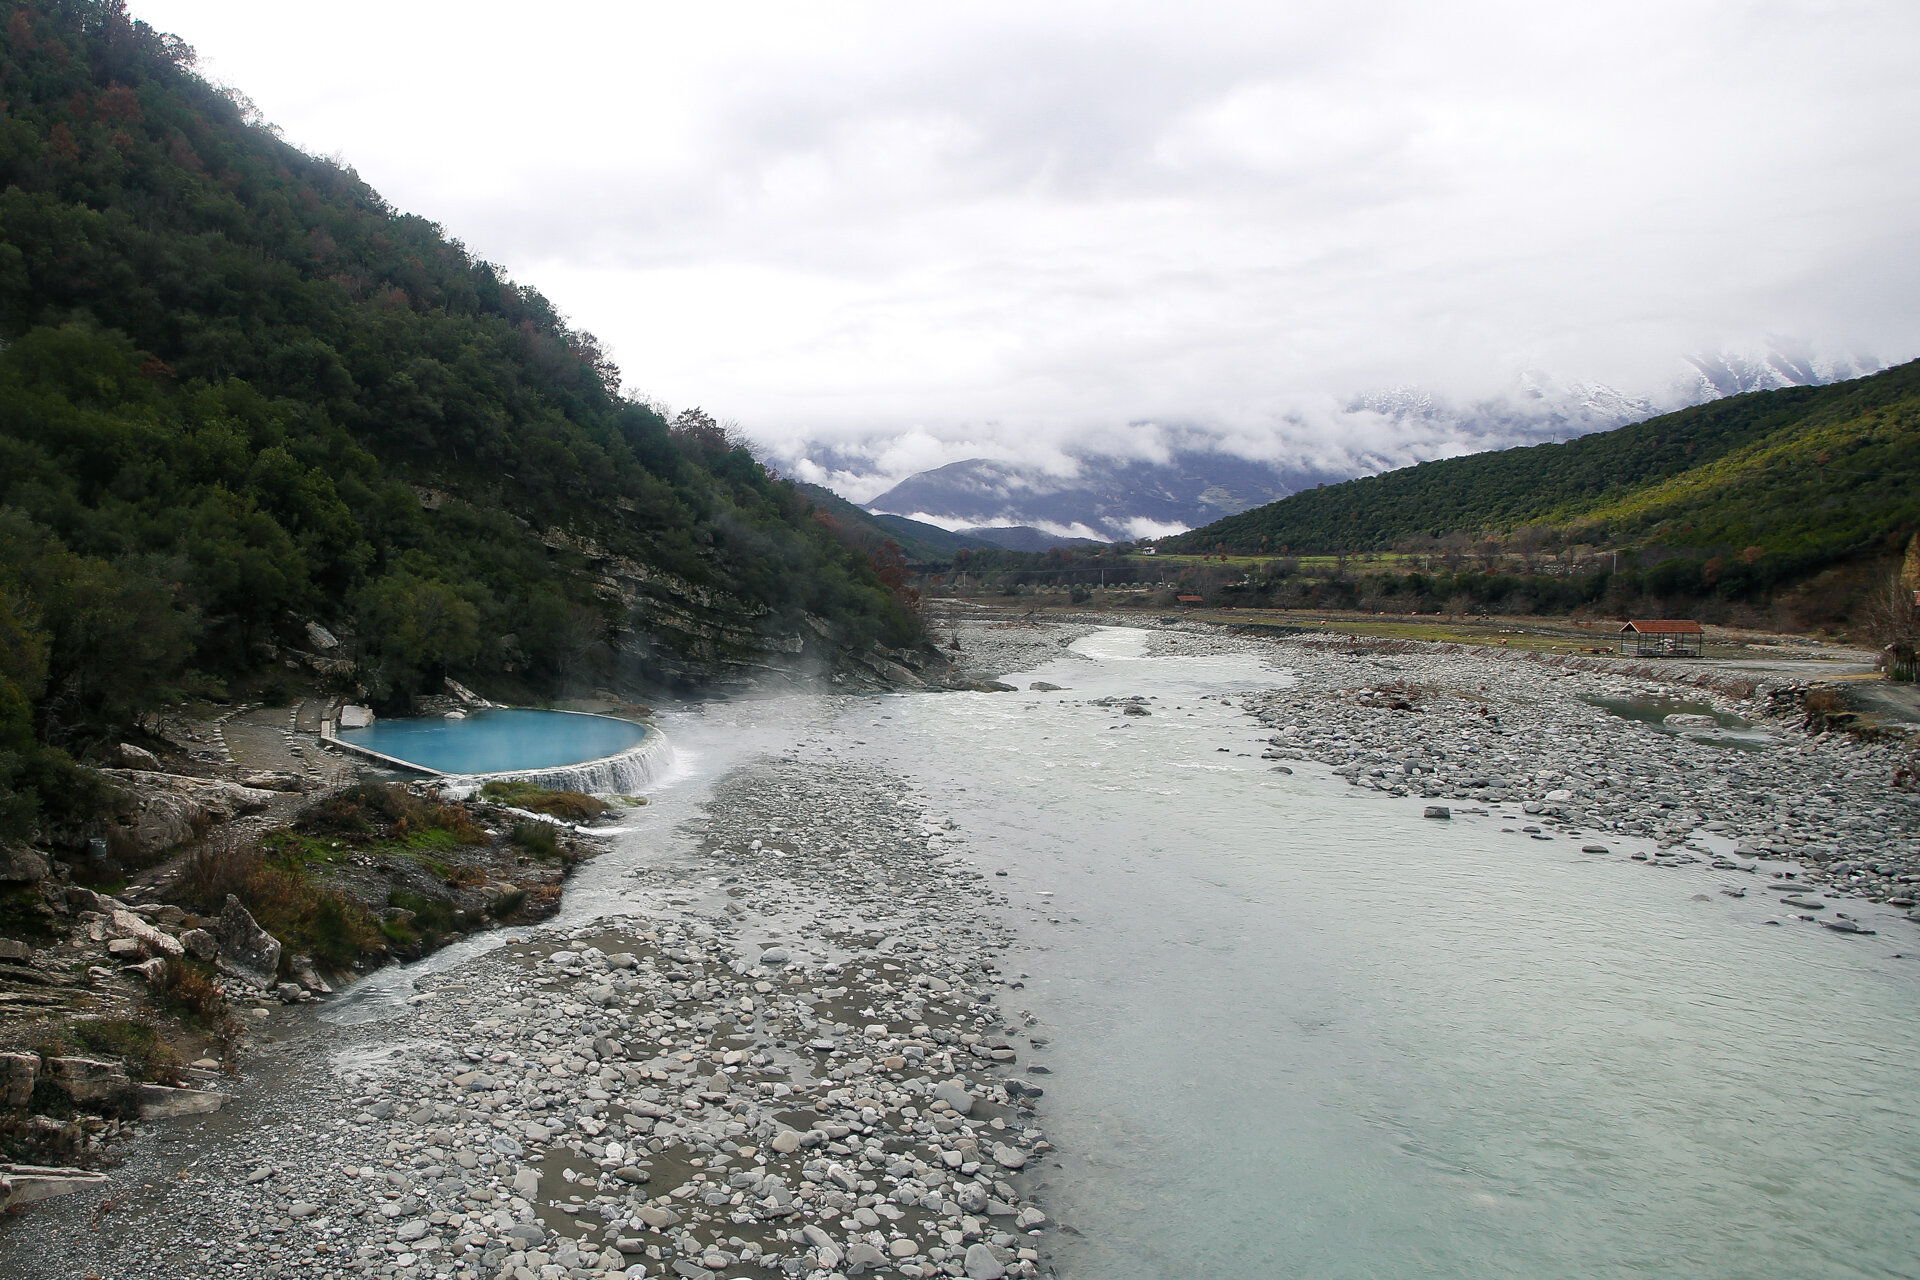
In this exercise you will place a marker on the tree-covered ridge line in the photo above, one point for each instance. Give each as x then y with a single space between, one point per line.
239 391
1799 479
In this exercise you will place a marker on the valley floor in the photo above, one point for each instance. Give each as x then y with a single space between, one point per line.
787 1052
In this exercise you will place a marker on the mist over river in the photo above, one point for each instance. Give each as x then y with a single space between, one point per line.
1298 1030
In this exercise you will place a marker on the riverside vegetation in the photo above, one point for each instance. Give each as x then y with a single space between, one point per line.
144 989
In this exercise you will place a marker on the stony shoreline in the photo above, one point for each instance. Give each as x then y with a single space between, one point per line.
791 1060
1528 737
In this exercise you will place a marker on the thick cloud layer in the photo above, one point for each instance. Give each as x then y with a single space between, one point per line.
1010 230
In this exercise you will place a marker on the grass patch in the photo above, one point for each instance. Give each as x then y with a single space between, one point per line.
307 850
188 988
371 812
282 897
135 1041
296 848
434 919
435 840
540 839
570 806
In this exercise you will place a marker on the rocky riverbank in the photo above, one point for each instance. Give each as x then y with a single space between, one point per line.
790 1058
1707 764
118 1011
1718 767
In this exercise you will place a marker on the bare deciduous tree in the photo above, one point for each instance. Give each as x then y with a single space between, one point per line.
1893 622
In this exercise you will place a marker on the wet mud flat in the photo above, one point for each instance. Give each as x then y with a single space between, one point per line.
796 1054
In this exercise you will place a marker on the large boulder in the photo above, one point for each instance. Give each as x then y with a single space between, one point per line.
247 951
159 810
81 898
128 756
126 925
18 1072
88 1079
22 1184
21 865
273 780
304 973
159 1102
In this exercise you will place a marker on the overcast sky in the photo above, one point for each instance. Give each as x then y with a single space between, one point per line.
1015 229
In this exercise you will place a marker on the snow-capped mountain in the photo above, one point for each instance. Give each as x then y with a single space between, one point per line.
1725 373
1203 474
1105 498
1115 498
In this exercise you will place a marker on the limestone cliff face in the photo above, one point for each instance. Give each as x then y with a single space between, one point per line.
675 632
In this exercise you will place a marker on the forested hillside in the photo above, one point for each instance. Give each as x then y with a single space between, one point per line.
240 392
1781 483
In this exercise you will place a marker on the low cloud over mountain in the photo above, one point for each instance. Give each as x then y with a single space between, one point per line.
1163 478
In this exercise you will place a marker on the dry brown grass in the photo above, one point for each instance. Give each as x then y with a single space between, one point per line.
282 897
189 988
568 806
386 810
1823 701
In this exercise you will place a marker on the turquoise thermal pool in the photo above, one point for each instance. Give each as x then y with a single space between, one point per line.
498 740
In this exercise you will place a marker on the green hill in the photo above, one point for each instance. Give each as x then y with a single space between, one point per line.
1787 481
934 542
240 392
919 542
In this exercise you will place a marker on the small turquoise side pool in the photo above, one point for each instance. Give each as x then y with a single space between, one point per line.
498 740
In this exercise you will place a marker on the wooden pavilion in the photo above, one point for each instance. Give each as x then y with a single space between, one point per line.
1663 638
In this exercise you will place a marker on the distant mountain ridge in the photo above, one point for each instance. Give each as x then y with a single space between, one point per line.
1111 497
1771 483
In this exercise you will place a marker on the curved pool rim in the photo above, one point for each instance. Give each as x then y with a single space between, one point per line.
650 739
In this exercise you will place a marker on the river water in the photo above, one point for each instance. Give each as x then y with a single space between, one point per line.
1300 1031
1297 1030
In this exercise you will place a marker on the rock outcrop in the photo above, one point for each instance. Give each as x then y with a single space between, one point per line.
18 1074
20 865
88 1080
247 951
159 810
22 1184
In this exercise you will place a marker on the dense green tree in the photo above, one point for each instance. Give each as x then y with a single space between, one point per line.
239 390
